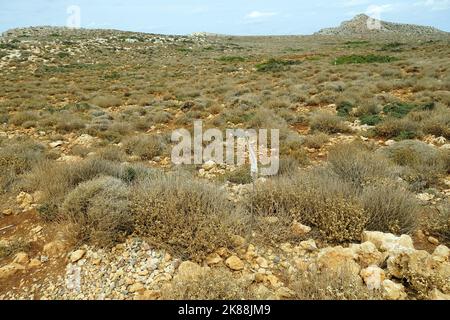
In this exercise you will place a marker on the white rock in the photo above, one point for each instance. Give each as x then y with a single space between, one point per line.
373 276
392 290
76 255
208 165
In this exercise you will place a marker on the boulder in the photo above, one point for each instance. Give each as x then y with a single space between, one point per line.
373 276
76 256
368 254
55 248
234 263
388 242
299 229
392 290
336 259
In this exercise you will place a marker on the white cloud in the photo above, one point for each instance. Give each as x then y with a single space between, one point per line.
434 5
259 14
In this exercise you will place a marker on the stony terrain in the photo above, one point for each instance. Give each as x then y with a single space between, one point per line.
359 25
91 206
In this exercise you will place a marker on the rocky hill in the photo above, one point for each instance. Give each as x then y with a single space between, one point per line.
363 24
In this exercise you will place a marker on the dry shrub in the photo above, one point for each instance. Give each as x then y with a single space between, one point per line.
145 146
56 180
216 284
439 223
22 117
188 218
316 200
316 141
17 156
390 208
341 284
10 248
106 101
99 210
358 165
424 162
393 128
328 123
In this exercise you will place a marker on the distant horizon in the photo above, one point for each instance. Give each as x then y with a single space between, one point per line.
232 17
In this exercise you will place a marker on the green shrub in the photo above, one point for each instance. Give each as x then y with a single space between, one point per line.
56 180
398 110
99 209
232 59
371 119
275 65
393 128
358 59
104 101
344 109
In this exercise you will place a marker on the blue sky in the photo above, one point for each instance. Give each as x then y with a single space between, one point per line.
241 17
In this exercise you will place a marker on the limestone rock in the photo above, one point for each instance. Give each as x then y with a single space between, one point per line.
234 263
136 287
21 258
299 229
213 259
438 295
388 242
55 248
373 276
76 255
392 290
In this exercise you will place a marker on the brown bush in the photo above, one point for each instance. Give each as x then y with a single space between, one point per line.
215 284
341 284
99 211
188 218
328 123
390 208
315 200
145 146
356 164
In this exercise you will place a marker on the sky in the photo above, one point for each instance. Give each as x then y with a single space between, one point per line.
234 17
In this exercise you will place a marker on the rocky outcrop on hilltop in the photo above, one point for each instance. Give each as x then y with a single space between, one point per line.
363 24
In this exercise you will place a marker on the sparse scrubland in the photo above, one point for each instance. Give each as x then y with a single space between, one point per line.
86 178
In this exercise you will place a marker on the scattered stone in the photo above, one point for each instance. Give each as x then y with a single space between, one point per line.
136 287
76 256
55 248
56 144
213 259
234 263
10 270
21 258
425 197
433 240
299 229
309 245
34 263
